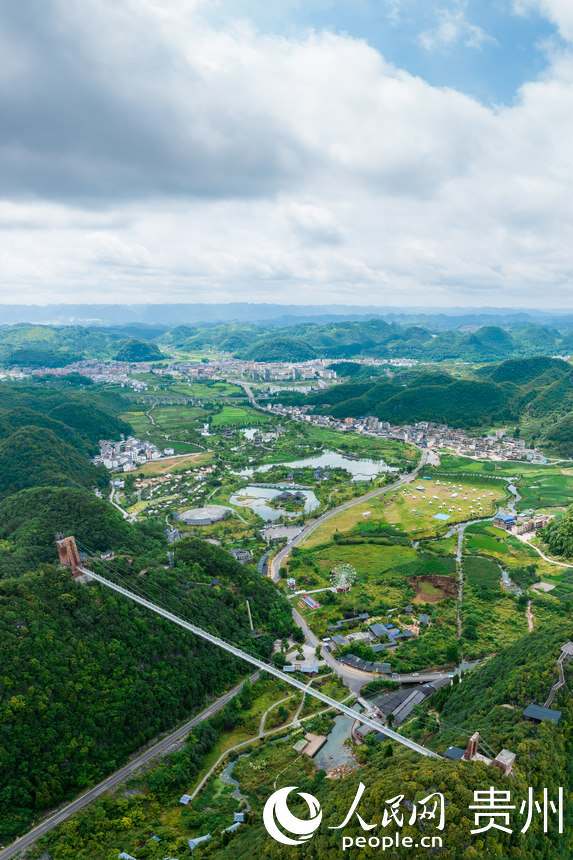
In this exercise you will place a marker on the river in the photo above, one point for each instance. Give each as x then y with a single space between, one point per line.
335 752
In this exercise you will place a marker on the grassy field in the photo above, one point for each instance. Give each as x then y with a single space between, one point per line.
539 486
504 468
174 464
497 623
413 511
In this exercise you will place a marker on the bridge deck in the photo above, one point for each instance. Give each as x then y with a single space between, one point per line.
377 725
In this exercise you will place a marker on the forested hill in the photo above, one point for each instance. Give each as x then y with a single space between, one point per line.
26 345
48 432
30 519
558 535
490 699
504 392
373 338
88 676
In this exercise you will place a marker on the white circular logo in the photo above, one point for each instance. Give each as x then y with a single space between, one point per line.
276 808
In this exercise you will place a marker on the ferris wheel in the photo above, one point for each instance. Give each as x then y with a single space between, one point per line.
342 577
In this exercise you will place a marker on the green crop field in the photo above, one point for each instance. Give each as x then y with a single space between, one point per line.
508 550
208 390
238 416
482 572
171 429
547 490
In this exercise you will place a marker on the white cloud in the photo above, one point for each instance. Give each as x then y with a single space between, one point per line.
453 27
560 12
198 164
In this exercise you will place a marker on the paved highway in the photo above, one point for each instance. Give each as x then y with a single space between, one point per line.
119 776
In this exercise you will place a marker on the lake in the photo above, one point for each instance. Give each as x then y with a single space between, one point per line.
256 498
361 470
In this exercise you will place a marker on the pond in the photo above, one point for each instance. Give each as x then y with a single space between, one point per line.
256 498
335 752
361 470
230 780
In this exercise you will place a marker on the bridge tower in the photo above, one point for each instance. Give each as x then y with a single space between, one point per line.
68 554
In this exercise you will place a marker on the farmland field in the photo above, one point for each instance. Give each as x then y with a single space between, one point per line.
237 416
174 464
508 550
481 572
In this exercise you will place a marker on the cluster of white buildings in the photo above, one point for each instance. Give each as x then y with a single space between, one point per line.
129 453
425 434
117 372
282 371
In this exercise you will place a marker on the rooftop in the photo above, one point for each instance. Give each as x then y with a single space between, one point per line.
537 712
454 753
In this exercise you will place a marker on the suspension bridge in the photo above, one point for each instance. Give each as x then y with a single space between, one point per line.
69 556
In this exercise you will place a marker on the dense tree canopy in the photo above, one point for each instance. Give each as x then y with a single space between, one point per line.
89 676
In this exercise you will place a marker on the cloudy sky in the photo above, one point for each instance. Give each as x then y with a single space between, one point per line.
386 152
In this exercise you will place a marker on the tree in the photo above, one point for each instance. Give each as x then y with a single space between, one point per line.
246 697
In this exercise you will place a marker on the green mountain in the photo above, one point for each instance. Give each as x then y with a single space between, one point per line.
558 534
42 345
50 346
423 397
34 456
48 432
138 350
30 519
89 677
279 349
524 370
528 388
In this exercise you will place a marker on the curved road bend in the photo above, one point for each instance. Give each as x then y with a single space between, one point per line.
281 555
120 775
354 679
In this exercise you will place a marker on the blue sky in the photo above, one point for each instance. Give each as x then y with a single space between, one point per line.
481 47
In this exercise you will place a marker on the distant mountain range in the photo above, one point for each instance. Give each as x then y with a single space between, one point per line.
33 345
374 338
273 315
